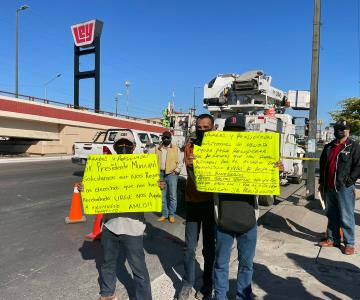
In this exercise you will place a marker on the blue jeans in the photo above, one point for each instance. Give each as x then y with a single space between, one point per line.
199 215
134 252
169 196
340 213
246 244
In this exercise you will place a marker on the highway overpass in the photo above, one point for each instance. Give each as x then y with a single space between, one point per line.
39 126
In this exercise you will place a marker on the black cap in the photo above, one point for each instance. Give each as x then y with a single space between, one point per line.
237 121
341 125
167 134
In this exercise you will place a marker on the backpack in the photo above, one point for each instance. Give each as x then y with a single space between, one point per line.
236 212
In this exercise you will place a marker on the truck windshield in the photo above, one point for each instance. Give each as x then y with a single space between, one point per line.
155 138
143 137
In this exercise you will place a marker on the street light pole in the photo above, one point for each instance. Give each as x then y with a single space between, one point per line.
127 85
47 83
117 97
311 144
23 7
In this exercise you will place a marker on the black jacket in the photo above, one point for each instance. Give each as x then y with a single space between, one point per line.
347 164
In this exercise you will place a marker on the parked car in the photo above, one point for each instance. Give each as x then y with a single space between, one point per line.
104 140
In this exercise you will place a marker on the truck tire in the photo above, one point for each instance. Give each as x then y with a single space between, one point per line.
266 200
297 180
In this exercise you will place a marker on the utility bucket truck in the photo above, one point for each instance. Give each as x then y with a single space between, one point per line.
263 107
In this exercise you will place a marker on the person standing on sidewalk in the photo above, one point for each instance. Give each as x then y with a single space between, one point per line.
236 218
124 232
199 214
339 170
170 164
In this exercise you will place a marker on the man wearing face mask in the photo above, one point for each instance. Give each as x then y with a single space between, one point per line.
123 232
170 164
339 170
199 214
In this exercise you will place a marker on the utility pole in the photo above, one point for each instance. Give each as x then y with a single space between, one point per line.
127 86
117 97
21 8
311 144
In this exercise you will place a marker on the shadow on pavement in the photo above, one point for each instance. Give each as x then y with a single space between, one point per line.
310 235
169 249
277 287
331 275
276 223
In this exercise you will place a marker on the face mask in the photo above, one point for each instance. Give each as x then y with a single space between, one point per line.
166 142
200 136
122 149
339 134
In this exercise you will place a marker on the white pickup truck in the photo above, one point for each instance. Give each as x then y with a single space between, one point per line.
103 143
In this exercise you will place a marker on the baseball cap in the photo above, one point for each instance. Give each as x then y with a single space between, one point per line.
341 125
167 134
124 135
237 121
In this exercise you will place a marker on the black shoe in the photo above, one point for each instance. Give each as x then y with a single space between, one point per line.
204 293
185 293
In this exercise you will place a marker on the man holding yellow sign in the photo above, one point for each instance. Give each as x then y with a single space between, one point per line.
236 166
122 187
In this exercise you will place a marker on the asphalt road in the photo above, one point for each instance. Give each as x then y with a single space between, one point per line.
41 257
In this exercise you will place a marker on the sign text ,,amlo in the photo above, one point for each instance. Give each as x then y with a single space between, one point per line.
121 183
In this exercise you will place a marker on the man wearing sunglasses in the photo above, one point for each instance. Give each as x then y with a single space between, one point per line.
170 164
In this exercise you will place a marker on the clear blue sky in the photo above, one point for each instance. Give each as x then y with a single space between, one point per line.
163 46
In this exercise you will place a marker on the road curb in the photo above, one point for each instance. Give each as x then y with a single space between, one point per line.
33 159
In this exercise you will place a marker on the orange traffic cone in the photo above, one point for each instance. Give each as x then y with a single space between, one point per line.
96 233
75 214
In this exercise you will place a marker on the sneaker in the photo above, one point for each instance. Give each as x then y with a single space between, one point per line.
162 219
185 293
113 297
172 220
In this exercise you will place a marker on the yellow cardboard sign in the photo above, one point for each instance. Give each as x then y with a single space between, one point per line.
121 183
238 163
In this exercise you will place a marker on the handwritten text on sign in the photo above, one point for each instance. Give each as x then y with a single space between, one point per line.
121 183
238 163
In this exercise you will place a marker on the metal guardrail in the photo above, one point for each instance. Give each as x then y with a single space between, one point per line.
83 108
